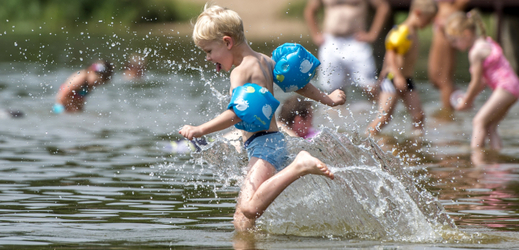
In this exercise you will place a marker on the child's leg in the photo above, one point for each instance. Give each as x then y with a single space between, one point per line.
262 186
386 104
495 140
493 111
259 172
478 156
414 107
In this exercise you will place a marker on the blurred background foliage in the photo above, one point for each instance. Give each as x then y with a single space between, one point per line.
60 14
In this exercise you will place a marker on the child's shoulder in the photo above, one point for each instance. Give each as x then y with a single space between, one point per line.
78 74
400 39
241 73
480 50
256 60
251 65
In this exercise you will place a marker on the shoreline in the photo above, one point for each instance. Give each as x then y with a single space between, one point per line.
253 33
262 21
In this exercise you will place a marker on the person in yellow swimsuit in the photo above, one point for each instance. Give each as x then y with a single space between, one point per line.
400 58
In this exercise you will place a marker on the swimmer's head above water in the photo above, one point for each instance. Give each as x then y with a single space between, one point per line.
72 93
103 68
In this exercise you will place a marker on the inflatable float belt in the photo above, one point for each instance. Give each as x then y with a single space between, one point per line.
254 105
294 68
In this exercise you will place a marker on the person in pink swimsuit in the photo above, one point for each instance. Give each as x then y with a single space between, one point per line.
497 71
487 65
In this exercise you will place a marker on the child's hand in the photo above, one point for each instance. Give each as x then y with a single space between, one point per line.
463 105
190 132
338 97
365 37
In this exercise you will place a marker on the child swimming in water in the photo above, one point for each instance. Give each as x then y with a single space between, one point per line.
135 67
398 69
219 33
72 94
487 65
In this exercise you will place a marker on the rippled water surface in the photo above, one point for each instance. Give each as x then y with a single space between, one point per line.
102 179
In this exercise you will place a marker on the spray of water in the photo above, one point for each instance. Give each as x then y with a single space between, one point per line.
373 196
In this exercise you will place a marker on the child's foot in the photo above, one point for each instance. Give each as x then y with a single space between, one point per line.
312 165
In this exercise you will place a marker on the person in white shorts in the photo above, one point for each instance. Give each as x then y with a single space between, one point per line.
344 45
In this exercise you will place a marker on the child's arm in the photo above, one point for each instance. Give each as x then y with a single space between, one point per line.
224 120
394 64
476 74
337 97
72 83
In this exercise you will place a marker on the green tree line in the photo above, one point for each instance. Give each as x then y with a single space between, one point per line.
59 13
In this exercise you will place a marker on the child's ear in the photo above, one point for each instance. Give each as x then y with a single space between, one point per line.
228 41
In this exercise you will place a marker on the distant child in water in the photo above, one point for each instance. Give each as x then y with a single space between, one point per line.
296 117
398 70
72 94
487 65
219 33
135 68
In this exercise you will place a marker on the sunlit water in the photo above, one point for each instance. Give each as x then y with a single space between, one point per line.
102 178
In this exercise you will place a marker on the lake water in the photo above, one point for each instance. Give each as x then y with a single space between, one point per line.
102 179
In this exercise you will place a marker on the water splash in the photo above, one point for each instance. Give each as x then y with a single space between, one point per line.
225 159
372 197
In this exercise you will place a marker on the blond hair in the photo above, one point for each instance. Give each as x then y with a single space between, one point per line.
425 6
215 22
457 22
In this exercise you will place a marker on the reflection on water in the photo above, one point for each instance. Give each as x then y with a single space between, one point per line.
480 196
102 179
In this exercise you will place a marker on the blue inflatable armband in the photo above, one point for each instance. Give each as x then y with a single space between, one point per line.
295 66
254 105
58 108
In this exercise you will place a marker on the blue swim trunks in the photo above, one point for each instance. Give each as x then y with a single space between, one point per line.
268 146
